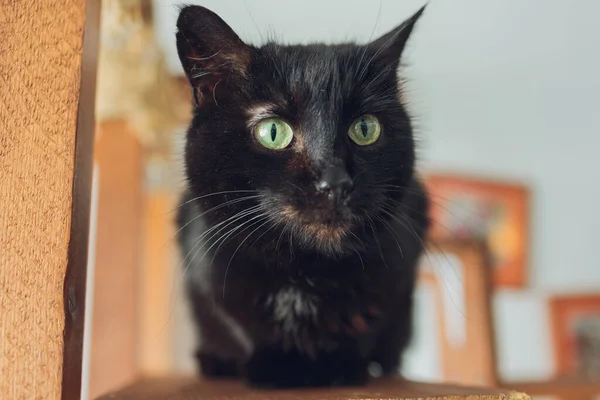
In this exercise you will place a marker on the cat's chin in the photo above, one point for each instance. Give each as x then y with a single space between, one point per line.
320 228
330 234
329 239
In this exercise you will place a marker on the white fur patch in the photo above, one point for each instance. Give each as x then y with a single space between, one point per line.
291 306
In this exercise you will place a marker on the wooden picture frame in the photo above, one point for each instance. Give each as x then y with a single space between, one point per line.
472 208
565 313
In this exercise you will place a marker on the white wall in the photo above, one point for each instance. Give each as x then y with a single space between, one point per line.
500 87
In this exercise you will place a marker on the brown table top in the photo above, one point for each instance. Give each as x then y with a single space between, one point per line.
387 389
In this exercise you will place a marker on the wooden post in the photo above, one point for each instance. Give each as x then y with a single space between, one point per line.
118 154
156 282
47 87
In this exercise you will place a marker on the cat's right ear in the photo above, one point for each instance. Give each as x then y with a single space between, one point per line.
209 51
390 46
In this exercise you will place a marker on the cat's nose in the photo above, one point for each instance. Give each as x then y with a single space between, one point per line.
336 184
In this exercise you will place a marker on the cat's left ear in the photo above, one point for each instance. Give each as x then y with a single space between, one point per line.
389 47
209 51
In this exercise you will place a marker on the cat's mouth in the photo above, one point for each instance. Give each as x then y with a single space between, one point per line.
329 227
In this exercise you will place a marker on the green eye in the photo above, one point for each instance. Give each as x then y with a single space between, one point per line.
274 134
365 130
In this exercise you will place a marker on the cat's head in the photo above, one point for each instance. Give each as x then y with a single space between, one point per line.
313 137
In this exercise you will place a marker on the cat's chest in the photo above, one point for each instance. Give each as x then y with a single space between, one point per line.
291 305
315 302
302 316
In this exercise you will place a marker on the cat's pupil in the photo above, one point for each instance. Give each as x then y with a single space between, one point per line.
364 128
273 132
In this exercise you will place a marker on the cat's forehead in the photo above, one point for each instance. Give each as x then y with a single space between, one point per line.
315 66
319 87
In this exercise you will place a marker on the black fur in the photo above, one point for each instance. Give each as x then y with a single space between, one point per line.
289 289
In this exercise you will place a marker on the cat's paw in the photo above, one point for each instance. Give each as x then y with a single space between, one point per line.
213 366
273 368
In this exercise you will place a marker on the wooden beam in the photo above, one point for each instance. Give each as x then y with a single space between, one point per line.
47 84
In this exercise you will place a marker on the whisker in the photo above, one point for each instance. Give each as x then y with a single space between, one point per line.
372 224
273 225
407 225
429 243
262 39
211 194
228 221
362 56
359 257
424 214
233 231
221 239
204 58
237 248
291 246
231 220
438 270
383 46
390 230
225 204
287 224
433 197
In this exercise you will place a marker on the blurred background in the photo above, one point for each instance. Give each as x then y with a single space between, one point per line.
504 96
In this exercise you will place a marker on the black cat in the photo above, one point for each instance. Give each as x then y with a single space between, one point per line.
304 220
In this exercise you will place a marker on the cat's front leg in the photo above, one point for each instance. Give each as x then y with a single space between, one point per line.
275 367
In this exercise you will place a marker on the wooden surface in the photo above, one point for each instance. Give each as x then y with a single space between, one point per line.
190 389
564 388
43 66
115 317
